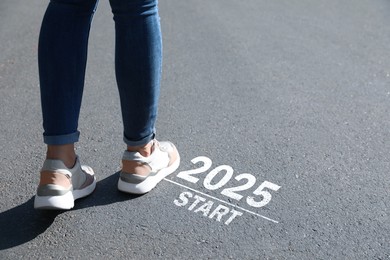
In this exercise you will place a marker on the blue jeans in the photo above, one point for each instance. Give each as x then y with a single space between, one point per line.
62 58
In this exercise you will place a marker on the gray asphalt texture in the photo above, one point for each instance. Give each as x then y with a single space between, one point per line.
294 92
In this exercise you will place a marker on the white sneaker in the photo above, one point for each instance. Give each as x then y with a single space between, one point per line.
82 182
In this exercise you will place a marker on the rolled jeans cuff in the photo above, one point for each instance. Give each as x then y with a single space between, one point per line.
140 142
61 139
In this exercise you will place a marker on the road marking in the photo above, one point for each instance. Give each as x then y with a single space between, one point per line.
230 204
219 212
203 164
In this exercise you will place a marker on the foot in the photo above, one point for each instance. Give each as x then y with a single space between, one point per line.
140 174
60 186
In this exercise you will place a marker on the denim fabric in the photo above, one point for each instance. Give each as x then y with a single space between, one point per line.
62 57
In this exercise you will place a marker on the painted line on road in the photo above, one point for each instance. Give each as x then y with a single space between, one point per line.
235 206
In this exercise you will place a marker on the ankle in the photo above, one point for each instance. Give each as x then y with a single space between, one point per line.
65 153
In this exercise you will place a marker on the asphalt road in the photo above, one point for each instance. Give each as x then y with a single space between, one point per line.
280 110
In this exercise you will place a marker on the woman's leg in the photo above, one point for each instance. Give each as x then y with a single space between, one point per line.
138 70
138 67
62 56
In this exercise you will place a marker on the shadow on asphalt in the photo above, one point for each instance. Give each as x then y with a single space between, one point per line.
23 223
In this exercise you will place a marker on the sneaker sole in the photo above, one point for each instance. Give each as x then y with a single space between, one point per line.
151 182
65 201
